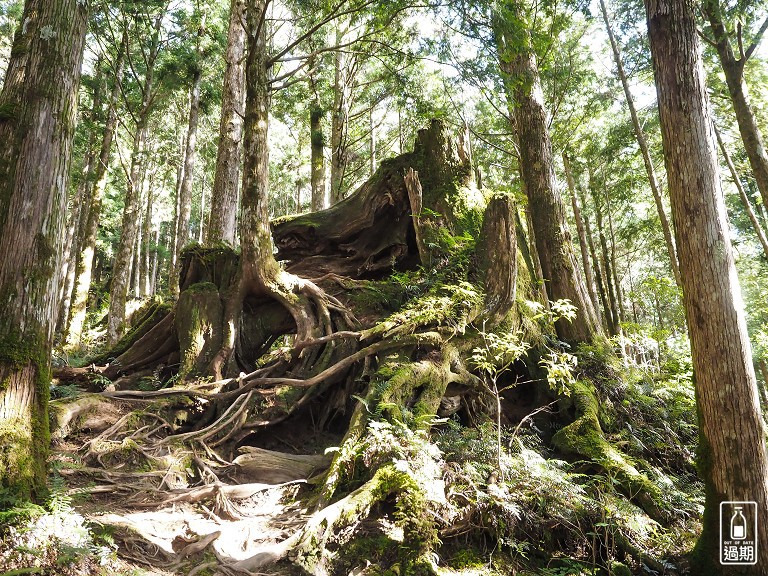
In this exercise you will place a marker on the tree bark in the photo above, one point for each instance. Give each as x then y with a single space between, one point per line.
733 68
173 280
131 212
643 144
317 159
371 142
498 258
145 287
598 273
614 261
416 201
553 240
763 387
222 223
732 448
259 267
37 133
743 195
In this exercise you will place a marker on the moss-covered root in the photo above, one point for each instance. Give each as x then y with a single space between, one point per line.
585 438
308 547
418 386
68 414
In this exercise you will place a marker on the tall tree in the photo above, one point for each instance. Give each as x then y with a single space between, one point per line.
759 232
132 211
553 240
190 153
581 231
317 144
221 226
343 67
84 258
733 69
643 144
78 209
732 446
36 128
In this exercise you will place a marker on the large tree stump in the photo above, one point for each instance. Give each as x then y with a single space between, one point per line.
199 314
371 231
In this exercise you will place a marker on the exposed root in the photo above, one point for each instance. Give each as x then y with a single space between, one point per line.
308 546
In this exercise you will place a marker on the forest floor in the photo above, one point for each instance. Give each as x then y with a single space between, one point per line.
105 518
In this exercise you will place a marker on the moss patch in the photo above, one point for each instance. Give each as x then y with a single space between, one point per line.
144 319
25 361
584 437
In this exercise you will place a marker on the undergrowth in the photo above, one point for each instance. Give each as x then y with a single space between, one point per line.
51 539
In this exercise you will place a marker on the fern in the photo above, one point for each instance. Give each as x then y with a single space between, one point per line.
58 501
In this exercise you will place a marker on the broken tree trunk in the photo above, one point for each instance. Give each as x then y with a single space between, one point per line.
371 231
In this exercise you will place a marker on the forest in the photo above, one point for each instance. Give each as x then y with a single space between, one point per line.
401 288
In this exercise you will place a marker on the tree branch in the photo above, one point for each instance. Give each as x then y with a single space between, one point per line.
756 41
335 13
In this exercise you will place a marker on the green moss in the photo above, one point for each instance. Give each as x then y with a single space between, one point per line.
143 321
584 437
7 111
25 444
198 321
201 288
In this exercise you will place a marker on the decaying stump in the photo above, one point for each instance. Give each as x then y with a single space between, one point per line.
371 232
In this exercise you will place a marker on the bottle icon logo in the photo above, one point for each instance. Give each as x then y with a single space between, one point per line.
738 533
738 525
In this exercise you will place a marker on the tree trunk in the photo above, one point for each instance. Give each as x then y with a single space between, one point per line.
222 223
339 120
146 239
190 158
416 201
371 143
763 387
733 69
78 215
70 246
317 160
553 240
612 312
202 228
598 274
131 212
614 261
732 449
582 233
34 169
743 195
640 136
498 258
371 231
173 277
259 267
136 262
